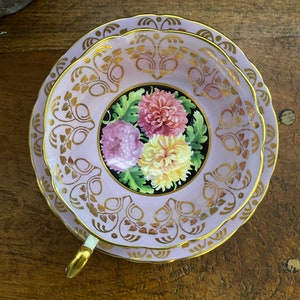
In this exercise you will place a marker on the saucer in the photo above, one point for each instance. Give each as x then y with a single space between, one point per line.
153 138
192 248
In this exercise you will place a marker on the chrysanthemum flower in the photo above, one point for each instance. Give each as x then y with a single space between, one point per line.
161 113
166 160
120 145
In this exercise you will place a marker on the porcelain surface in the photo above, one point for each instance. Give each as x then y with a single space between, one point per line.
153 138
192 248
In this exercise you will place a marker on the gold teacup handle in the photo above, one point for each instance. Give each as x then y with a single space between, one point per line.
81 257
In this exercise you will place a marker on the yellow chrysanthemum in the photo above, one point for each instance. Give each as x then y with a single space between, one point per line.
166 160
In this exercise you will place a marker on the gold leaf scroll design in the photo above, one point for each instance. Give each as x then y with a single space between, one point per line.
156 56
69 112
204 75
37 134
174 218
69 172
149 254
108 30
159 22
51 195
191 220
163 228
44 181
264 99
85 179
222 184
107 215
168 220
165 225
218 40
87 194
233 129
270 145
263 95
80 231
83 234
100 73
249 208
200 247
59 67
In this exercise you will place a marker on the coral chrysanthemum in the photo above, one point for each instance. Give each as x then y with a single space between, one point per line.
160 113
166 160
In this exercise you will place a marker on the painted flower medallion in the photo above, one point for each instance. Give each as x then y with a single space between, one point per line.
154 139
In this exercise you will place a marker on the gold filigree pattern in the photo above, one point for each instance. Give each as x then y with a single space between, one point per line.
37 134
149 254
234 130
200 246
48 189
249 207
159 23
264 98
107 30
207 67
228 46
156 55
226 181
270 146
104 72
59 67
68 111
262 94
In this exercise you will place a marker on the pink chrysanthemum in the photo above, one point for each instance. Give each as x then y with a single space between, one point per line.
161 113
121 146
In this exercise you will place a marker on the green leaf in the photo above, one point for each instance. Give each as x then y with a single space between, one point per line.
196 159
196 132
127 107
196 136
134 178
186 103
